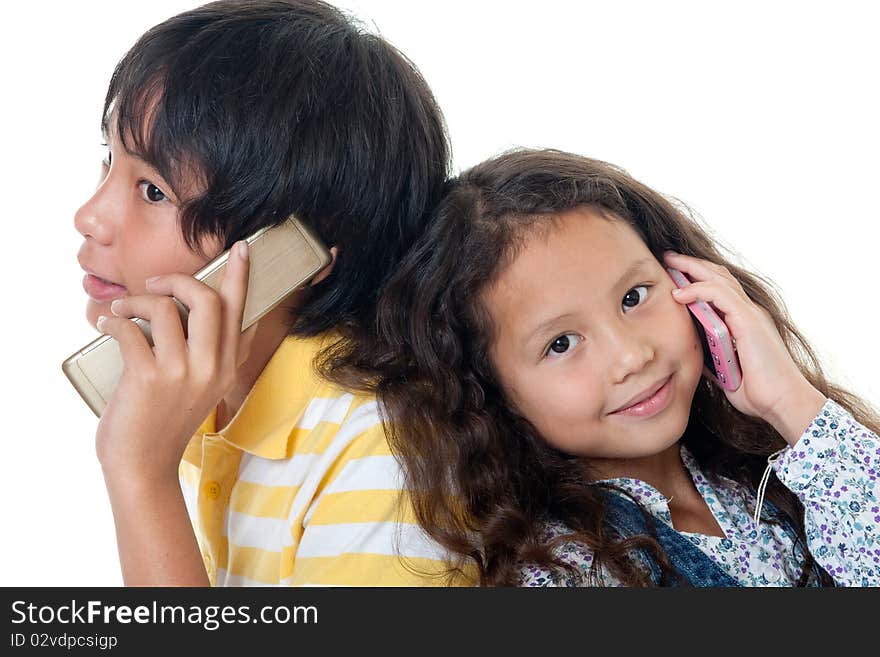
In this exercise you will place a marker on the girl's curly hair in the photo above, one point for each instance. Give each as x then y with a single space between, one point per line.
483 482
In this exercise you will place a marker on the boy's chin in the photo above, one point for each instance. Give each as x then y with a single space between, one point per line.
95 310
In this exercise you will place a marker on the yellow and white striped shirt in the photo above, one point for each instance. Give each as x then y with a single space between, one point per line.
300 488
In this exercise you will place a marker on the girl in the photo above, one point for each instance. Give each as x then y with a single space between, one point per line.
554 413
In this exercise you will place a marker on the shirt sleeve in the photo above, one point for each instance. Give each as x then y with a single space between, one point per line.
359 528
833 470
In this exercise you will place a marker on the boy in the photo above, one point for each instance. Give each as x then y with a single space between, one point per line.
220 121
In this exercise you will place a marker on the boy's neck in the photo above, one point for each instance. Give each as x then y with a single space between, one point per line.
272 330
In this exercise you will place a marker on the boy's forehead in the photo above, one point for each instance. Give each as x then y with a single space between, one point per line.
110 118
139 112
136 144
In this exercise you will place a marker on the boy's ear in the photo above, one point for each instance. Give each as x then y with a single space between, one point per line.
324 273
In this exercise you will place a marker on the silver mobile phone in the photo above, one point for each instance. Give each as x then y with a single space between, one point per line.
282 259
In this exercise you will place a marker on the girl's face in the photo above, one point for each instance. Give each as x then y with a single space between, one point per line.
586 325
131 232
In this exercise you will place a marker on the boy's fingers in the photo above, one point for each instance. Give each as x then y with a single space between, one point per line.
164 316
204 304
215 317
136 351
233 291
244 344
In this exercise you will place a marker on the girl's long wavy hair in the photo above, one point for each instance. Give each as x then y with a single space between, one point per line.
483 482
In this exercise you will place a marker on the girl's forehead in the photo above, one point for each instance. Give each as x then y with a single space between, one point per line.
581 260
585 238
574 275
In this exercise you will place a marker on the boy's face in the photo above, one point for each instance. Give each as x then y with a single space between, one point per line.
580 333
131 231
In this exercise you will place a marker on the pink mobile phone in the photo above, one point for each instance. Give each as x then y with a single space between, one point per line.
719 352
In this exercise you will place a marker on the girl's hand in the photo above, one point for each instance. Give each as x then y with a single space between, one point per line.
773 387
166 392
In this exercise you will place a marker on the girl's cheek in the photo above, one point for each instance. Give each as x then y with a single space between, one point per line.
683 332
695 351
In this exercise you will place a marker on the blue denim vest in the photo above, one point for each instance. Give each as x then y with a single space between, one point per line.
695 566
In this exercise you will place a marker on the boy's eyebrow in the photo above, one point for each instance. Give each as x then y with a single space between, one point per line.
140 158
628 273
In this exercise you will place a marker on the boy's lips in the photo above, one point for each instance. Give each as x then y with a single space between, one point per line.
101 289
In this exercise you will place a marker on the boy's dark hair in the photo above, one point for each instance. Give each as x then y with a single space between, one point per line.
283 107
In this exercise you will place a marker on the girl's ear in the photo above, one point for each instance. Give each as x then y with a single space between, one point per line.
324 273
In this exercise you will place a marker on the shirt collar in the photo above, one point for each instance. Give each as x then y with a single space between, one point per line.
266 423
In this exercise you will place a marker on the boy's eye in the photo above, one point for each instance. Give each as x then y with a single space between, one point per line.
563 344
635 296
152 193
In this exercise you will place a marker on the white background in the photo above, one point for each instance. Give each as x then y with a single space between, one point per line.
761 116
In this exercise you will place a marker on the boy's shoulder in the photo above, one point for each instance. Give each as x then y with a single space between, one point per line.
292 410
295 382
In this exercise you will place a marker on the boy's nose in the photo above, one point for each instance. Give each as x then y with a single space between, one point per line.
93 219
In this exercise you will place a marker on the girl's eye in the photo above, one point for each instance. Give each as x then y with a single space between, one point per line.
635 296
152 193
563 344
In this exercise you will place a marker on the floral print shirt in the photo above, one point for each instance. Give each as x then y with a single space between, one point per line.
833 469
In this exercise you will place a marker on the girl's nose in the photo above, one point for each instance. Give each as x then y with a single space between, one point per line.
629 354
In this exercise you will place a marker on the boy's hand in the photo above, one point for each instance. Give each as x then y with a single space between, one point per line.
773 387
166 392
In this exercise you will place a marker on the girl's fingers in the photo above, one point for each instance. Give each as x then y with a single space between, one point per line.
697 268
725 300
164 316
136 351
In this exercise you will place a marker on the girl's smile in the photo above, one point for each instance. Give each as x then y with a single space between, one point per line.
650 403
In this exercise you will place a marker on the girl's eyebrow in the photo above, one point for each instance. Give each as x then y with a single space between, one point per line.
628 273
632 269
543 326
